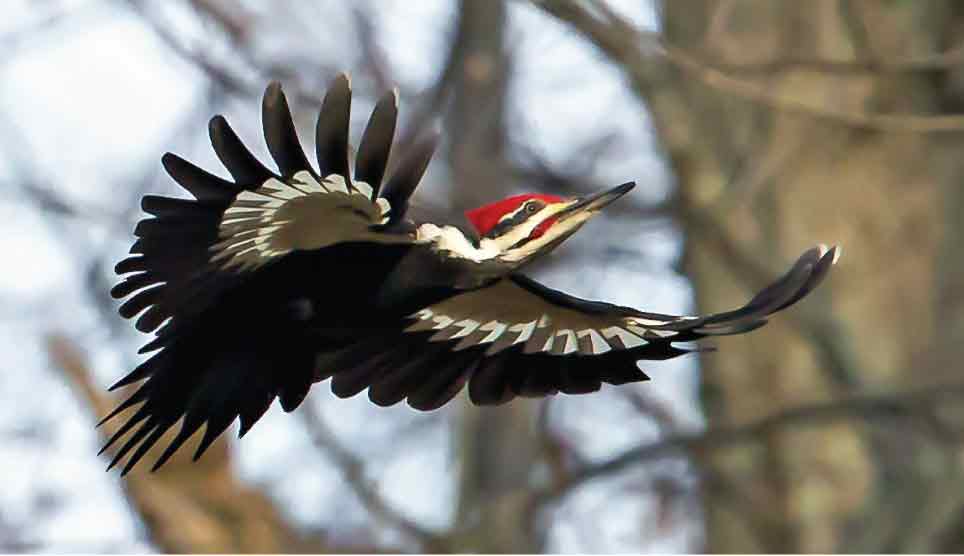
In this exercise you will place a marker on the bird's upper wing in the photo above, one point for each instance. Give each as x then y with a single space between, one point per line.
226 273
190 250
518 337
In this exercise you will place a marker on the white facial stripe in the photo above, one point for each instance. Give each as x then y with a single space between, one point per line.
524 230
513 213
554 232
452 240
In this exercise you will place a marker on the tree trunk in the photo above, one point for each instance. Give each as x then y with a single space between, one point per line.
497 446
772 157
189 506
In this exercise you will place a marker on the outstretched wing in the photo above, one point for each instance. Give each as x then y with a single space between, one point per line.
520 338
223 269
190 251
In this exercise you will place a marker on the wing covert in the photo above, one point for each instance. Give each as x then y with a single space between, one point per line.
520 312
520 338
191 250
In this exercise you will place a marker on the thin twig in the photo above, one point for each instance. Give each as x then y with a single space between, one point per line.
353 469
868 406
632 49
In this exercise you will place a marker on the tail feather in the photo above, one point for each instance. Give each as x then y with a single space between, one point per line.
212 375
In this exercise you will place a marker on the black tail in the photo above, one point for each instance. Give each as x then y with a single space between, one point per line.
211 374
223 350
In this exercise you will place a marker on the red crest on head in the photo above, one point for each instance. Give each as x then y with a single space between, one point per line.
486 217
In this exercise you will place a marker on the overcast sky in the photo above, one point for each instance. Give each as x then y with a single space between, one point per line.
96 98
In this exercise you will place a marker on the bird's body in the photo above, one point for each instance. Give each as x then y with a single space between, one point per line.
260 287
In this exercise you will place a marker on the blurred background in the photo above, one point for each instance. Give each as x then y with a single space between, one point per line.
754 128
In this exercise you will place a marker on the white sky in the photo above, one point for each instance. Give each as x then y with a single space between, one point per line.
91 99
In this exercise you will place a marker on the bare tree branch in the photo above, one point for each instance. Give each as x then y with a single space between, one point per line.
867 407
353 469
190 506
632 50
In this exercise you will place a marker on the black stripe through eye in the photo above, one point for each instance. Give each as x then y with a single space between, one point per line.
508 224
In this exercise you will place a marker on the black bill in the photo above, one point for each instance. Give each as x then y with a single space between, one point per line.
597 201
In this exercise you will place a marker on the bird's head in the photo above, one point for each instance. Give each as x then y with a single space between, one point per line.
522 227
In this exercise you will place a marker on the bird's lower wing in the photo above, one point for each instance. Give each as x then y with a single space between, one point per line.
223 350
520 338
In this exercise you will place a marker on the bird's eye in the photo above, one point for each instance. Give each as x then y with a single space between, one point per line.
532 207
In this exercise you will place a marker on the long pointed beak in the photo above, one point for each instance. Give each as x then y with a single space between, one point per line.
597 201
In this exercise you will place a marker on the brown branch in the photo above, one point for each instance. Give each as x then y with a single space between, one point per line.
221 75
938 62
867 407
235 28
187 506
375 60
897 123
626 45
353 469
824 331
651 407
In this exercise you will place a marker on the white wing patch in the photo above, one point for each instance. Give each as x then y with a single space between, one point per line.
639 321
495 329
506 316
622 338
525 331
597 344
534 336
568 343
250 224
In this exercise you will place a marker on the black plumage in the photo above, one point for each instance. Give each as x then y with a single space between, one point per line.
259 287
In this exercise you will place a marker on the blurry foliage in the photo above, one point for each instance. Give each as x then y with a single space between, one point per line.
837 428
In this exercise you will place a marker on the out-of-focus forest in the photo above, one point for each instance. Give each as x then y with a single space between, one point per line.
754 128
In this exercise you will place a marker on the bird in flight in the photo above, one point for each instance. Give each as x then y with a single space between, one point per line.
261 286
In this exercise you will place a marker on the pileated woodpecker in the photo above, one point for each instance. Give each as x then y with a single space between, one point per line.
259 287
